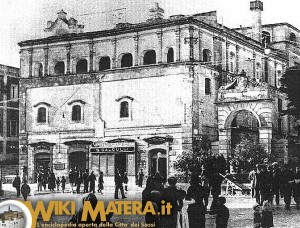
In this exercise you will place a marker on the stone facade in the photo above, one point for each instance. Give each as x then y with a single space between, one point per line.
135 96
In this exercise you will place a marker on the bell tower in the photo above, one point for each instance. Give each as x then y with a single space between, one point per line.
256 7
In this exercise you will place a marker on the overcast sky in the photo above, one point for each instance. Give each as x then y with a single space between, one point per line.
26 19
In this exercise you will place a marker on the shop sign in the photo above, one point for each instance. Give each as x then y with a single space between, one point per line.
59 166
104 147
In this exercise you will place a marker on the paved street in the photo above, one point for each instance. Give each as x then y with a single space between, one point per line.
241 213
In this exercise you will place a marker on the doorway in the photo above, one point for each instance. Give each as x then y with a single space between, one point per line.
120 162
158 162
77 160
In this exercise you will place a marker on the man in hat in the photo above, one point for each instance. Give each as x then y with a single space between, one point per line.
276 177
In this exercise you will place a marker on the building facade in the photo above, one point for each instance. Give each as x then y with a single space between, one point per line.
9 120
136 96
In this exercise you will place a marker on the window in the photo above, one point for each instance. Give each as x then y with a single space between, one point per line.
104 63
126 60
279 105
232 60
13 128
81 66
38 70
170 55
124 109
206 55
258 72
279 122
150 57
14 91
266 38
42 115
59 68
207 86
76 113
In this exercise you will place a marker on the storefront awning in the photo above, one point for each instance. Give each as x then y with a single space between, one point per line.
157 140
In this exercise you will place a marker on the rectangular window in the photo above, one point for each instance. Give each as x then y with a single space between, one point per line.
207 86
14 92
13 128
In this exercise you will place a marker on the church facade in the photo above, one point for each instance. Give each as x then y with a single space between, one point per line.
136 96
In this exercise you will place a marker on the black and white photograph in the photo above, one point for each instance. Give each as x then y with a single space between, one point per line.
186 112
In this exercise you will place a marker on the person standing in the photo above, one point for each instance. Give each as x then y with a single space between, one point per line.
196 211
119 185
172 195
276 184
25 189
287 180
222 214
92 180
40 181
85 179
140 178
100 182
17 184
125 179
63 184
252 178
57 183
77 182
296 188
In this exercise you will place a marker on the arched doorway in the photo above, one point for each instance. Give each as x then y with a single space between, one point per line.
158 162
244 126
77 160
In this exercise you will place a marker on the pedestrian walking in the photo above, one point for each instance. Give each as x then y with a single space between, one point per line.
140 178
252 178
119 185
125 180
63 184
78 181
57 183
276 182
40 180
85 179
287 181
158 182
100 182
25 189
51 181
92 180
17 184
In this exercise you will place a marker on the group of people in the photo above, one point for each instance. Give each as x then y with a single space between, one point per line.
21 188
47 177
188 207
269 182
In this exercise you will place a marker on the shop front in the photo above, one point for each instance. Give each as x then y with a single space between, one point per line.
110 156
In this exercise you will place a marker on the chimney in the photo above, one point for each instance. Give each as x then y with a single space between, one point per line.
256 7
156 12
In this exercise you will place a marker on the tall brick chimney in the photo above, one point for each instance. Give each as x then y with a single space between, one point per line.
256 7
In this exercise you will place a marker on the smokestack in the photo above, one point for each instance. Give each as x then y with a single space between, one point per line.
256 7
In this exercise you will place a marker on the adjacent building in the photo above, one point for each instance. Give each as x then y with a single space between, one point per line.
135 96
12 219
9 120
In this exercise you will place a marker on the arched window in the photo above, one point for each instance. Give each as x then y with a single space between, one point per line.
42 115
293 37
124 109
40 70
170 55
206 55
150 57
59 68
266 38
232 61
81 66
104 63
76 113
126 60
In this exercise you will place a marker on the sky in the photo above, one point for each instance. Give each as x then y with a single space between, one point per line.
26 19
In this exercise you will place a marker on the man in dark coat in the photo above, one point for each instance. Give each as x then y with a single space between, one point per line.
17 184
119 185
287 180
92 179
78 181
140 178
172 195
85 179
276 177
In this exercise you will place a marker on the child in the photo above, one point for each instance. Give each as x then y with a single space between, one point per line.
222 214
256 216
25 190
63 184
57 183
266 215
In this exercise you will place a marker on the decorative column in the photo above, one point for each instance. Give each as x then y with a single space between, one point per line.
177 33
191 33
68 47
136 49
114 44
30 50
200 35
46 57
237 59
159 37
275 74
91 47
254 66
227 55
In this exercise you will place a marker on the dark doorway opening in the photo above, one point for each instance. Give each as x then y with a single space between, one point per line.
77 160
120 162
158 161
